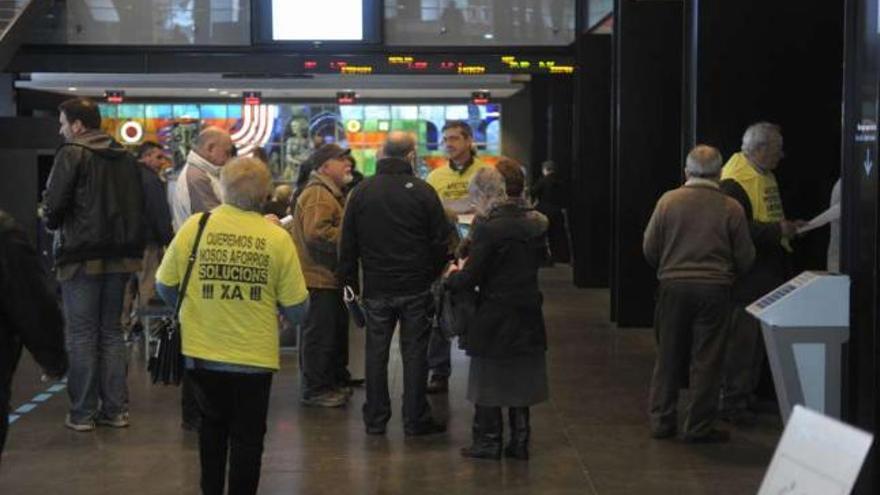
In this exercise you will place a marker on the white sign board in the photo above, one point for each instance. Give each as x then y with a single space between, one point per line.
309 20
817 455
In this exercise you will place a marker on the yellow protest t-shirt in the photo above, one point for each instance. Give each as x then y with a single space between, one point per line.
450 184
246 267
761 188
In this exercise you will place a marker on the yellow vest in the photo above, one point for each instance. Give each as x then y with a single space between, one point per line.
451 185
761 188
245 268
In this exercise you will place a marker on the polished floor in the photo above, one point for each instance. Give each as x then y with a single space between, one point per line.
590 438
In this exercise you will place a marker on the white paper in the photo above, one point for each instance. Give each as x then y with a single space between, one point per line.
824 218
817 455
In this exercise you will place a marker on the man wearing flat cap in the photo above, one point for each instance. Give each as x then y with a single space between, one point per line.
317 223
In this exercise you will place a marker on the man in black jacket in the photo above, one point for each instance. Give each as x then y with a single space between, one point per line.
29 314
158 232
395 225
94 203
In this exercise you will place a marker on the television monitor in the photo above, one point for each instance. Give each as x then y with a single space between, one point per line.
323 21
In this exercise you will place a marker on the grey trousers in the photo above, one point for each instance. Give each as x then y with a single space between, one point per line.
690 321
743 361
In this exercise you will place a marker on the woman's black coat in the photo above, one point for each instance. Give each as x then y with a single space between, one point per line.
506 248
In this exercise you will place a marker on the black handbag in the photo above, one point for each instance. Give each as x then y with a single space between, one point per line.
166 362
455 311
353 304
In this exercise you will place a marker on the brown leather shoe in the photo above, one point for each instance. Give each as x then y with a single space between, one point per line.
713 436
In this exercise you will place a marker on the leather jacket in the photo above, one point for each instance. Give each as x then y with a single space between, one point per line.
94 201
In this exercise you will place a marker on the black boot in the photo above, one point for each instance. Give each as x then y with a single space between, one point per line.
518 447
487 433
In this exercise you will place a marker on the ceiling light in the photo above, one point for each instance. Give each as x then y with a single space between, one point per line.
71 88
224 92
489 36
212 90
234 95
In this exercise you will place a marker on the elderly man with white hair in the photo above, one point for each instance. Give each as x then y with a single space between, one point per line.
748 178
698 240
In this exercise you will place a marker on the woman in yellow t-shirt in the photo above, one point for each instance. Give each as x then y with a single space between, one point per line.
246 269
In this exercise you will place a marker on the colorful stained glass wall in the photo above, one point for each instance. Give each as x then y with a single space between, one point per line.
289 132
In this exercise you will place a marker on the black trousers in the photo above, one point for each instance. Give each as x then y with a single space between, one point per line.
10 352
743 361
5 392
323 347
382 315
234 409
189 406
691 324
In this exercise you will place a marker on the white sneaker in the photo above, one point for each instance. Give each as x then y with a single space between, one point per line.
80 427
118 421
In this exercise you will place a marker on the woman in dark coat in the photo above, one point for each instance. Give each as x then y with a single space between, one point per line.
505 339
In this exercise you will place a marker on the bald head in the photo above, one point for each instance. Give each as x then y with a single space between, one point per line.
282 193
399 144
214 144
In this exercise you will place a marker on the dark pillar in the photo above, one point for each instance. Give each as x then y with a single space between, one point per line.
647 160
783 66
560 113
539 89
859 253
590 211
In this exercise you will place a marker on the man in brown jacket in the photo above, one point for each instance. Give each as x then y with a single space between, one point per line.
317 224
698 239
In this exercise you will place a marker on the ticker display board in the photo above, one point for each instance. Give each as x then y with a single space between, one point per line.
367 64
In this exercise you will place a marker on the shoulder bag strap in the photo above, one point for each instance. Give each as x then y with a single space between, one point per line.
192 261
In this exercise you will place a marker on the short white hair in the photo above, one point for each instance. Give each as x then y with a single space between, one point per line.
245 183
487 189
703 161
759 135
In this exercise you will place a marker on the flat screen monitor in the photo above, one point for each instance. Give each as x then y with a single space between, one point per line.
324 21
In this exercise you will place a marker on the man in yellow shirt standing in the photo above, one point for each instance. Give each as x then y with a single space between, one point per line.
451 183
245 269
748 178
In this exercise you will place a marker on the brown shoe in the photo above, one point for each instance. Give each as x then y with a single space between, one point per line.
712 436
330 398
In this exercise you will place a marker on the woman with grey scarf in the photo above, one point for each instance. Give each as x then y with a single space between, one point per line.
506 340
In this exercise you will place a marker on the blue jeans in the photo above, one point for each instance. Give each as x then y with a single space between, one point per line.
382 315
96 379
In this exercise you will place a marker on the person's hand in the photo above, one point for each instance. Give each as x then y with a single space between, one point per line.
273 218
452 268
461 263
789 228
